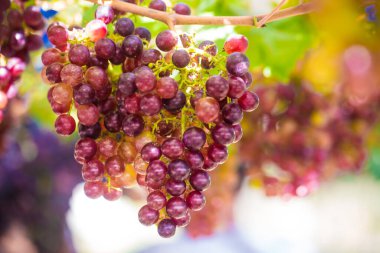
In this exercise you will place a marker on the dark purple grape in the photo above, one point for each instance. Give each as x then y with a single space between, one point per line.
79 55
105 48
132 46
237 87
92 132
17 40
150 104
150 56
217 87
164 128
124 27
166 228
84 94
200 180
119 56
195 200
33 16
232 113
175 104
176 207
33 42
166 40
4 33
143 33
64 124
194 138
104 93
249 101
53 72
194 159
133 125
127 83
15 19
180 58
112 122
85 150
156 200
172 148
145 79
115 166
157 5
95 61
217 153
175 188
178 170
150 152
182 9
237 64
93 171
223 134
105 13
4 5
148 216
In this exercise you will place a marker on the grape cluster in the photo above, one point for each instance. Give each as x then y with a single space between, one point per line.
18 35
162 117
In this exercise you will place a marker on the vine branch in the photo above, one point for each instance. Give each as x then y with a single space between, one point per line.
172 19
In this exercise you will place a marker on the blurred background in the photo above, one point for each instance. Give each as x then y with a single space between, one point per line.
304 178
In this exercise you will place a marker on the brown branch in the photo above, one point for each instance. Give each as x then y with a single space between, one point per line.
172 19
264 20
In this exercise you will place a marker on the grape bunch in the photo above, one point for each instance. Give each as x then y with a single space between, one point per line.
160 116
19 26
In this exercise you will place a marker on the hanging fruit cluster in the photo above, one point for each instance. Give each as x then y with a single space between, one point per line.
19 25
163 116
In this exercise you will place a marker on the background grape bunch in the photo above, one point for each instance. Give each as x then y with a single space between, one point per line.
162 117
20 24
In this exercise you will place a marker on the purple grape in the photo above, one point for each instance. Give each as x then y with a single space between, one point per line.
200 180
85 149
172 148
157 5
33 42
238 132
175 104
180 58
17 40
145 79
183 221
133 125
150 56
119 56
127 83
166 228
105 48
217 153
108 105
143 33
237 64
194 138
223 134
92 132
96 77
175 188
112 122
148 216
249 101
176 207
93 171
217 87
95 61
232 113
79 55
166 40
124 27
209 164
182 9
132 46
150 104
53 73
156 174
64 124
178 170
33 16
194 159
156 200
237 87
14 19
247 78
195 200
150 152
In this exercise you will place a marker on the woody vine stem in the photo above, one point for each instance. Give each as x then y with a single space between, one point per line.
172 19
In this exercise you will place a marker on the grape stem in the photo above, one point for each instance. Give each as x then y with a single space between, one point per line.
172 19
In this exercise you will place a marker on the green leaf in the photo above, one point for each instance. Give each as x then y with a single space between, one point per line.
278 46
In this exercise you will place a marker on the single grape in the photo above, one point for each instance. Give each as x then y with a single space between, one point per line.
71 74
64 124
148 216
127 151
124 27
105 13
167 87
17 40
115 166
180 58
33 42
195 200
119 56
32 16
132 104
95 61
194 138
143 33
217 87
172 148
132 46
249 101
96 77
62 93
105 48
223 134
145 79
52 55
60 108
166 228
183 221
207 109
85 149
79 55
175 104
57 34
166 40
107 146
176 207
53 72
217 153
111 193
88 115
156 200
178 170
237 87
194 159
84 94
237 64
93 171
232 113
182 9
127 83
200 180
155 174
175 188
236 43
157 5
139 165
150 152
92 132
150 56
96 30
133 125
93 190
113 122
150 104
